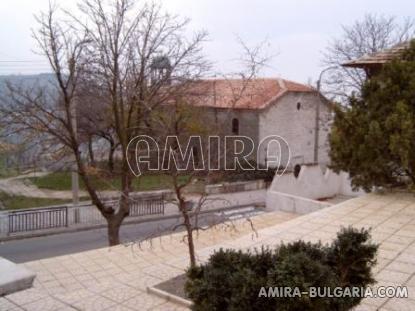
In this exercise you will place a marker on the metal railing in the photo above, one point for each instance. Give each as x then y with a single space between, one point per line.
147 206
37 219
67 215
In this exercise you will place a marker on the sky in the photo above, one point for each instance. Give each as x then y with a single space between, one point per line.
298 31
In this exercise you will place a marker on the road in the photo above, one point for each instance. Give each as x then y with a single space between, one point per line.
61 244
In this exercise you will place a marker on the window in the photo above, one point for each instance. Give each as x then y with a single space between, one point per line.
298 106
235 126
297 170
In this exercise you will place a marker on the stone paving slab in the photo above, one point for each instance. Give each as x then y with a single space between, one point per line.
117 278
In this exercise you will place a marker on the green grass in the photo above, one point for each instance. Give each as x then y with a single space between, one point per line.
6 172
62 181
11 202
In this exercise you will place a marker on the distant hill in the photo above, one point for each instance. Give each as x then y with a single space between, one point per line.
42 79
26 81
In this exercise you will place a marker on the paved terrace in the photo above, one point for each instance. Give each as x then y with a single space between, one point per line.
116 278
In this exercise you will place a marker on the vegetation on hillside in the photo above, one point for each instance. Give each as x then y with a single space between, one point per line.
12 202
62 181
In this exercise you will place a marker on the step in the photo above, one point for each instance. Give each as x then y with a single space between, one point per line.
246 215
237 211
13 277
244 212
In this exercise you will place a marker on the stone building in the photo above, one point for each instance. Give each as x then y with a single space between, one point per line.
261 108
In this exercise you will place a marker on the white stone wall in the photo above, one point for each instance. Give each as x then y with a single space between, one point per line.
296 126
292 204
314 182
299 194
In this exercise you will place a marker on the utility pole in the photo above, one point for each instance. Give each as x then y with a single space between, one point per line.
317 120
75 177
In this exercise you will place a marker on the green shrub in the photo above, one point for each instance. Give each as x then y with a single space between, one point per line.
231 280
225 283
352 258
371 137
241 174
302 265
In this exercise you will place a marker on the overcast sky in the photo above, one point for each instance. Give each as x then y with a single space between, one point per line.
297 30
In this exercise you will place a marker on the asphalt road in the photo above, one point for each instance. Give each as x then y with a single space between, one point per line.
55 245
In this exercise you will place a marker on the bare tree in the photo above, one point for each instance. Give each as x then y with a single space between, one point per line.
95 125
367 36
114 44
184 119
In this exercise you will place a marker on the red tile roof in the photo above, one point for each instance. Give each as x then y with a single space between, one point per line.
379 58
241 94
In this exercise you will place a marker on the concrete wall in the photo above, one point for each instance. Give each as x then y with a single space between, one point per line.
313 182
296 126
292 204
235 187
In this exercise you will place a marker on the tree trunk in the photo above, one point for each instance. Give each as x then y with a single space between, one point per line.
111 158
190 242
113 232
115 221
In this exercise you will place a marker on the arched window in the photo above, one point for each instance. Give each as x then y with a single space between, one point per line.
235 126
297 170
298 106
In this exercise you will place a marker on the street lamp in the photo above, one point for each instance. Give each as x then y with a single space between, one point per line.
317 121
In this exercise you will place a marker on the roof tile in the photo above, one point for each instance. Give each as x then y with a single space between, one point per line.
241 94
381 57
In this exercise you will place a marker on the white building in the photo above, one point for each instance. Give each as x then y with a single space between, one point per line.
260 108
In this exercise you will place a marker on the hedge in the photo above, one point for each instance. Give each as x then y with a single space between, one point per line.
232 280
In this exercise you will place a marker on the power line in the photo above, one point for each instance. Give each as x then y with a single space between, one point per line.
24 68
21 61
